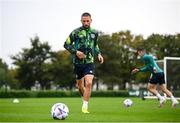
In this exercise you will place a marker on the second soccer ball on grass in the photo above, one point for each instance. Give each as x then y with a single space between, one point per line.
128 102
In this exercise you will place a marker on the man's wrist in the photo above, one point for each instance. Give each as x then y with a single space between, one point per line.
74 52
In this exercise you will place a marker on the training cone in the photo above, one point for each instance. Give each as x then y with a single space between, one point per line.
15 101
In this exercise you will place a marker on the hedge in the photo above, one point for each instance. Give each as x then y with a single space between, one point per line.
30 94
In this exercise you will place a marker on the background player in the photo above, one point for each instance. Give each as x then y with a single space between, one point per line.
157 77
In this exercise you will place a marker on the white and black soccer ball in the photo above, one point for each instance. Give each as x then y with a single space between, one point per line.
128 102
59 111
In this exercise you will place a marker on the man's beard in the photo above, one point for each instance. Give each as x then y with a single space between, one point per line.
86 26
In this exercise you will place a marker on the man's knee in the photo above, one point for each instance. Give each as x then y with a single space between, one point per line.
79 83
79 86
88 80
88 84
151 87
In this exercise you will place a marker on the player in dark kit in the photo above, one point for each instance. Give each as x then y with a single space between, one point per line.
82 43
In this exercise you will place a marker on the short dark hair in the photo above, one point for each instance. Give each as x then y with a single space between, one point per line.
140 49
86 14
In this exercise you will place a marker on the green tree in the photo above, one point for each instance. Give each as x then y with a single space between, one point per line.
62 70
163 45
118 51
6 76
3 73
31 64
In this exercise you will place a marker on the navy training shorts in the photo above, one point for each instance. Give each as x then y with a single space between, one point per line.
83 69
157 78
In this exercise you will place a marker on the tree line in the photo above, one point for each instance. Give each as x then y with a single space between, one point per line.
40 64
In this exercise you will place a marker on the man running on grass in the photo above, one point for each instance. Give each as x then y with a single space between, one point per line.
157 77
82 44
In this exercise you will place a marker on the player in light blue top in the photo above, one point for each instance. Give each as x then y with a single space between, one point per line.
157 77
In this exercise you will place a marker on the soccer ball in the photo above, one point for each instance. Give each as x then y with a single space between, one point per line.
59 111
128 102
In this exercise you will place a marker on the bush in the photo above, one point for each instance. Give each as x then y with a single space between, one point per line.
122 93
27 94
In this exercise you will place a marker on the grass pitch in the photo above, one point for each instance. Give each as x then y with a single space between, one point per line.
101 110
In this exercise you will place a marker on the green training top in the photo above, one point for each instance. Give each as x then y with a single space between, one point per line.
84 40
149 64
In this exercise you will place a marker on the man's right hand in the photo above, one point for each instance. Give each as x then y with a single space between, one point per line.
80 54
135 70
